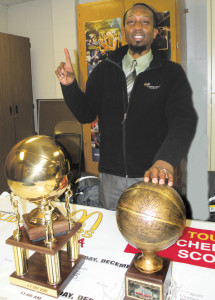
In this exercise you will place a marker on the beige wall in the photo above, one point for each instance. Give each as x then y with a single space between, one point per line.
3 18
51 26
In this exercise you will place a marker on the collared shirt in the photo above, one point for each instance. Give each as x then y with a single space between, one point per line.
142 62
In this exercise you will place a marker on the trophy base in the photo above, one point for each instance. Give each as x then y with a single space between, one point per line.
36 279
147 286
36 232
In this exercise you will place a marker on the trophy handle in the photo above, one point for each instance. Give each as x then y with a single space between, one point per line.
16 233
68 195
72 244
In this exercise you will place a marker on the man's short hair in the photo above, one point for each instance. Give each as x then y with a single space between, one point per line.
155 17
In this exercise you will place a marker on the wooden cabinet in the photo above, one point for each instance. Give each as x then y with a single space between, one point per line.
16 100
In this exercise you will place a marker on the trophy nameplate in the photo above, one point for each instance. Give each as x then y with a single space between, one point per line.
151 286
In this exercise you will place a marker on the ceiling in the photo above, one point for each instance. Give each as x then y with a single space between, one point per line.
11 2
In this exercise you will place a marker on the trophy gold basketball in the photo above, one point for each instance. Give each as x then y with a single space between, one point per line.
151 217
38 171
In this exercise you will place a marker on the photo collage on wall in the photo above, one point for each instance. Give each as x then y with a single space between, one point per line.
101 38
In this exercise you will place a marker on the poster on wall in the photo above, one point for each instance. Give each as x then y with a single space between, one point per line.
101 38
163 37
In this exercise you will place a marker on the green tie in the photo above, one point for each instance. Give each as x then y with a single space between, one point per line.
130 77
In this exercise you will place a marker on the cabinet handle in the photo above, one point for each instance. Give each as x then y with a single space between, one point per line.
17 111
11 111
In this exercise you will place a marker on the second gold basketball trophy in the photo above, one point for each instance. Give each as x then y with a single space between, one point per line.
151 217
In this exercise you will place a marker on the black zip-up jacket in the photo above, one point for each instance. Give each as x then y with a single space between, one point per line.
158 123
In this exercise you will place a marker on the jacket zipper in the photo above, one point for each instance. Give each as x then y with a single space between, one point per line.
124 121
123 132
123 125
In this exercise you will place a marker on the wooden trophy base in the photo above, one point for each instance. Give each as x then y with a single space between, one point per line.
36 276
36 279
147 286
38 231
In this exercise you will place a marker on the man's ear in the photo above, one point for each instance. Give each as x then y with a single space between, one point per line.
123 32
155 33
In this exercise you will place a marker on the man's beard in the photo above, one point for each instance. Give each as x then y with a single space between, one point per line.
137 49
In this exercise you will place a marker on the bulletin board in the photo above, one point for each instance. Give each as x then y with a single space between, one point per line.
97 21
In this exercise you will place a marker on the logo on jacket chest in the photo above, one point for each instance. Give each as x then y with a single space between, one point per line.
149 86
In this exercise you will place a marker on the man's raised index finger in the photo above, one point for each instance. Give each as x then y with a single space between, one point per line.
68 59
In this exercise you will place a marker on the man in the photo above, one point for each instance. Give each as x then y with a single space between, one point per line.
146 130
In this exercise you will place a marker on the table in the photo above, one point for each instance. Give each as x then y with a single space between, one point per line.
102 275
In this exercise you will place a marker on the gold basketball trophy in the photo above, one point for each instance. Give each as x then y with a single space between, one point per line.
151 217
37 170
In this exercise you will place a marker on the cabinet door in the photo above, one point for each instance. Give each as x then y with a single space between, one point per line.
7 134
212 139
211 14
21 86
